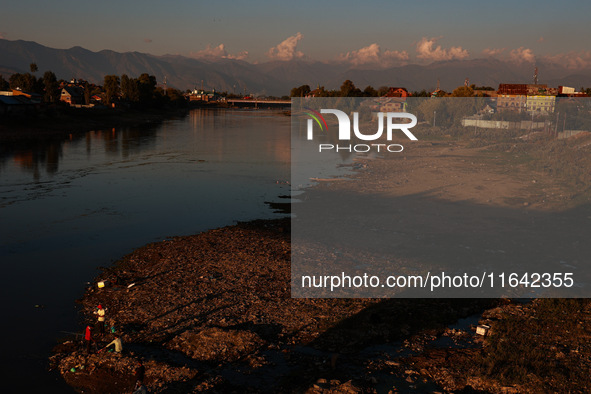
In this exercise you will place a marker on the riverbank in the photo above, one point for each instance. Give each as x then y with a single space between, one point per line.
60 122
212 312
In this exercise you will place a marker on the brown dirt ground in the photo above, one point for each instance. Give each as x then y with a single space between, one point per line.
213 312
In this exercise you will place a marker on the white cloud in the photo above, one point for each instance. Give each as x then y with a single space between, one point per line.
218 52
287 50
493 51
571 60
373 55
521 55
426 51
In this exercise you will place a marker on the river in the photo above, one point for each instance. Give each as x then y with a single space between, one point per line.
68 207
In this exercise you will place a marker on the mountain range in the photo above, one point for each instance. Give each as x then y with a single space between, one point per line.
274 77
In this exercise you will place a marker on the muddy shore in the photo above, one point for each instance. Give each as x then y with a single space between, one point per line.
212 312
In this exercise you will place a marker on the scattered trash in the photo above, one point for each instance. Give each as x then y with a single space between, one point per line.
482 329
103 284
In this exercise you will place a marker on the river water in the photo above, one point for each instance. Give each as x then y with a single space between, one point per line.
68 207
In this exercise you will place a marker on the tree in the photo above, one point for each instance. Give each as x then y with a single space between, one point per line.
50 86
176 97
383 90
25 82
422 93
129 89
87 93
33 67
146 85
3 83
463 91
301 91
111 86
348 89
369 91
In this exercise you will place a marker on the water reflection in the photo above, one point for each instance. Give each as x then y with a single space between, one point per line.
69 206
40 158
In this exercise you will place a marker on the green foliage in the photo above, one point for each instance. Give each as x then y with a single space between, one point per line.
348 89
301 91
87 93
422 93
175 97
3 83
474 87
382 90
111 86
369 91
146 87
26 83
129 89
50 87
463 91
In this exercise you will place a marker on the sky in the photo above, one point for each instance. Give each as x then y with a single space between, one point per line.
358 32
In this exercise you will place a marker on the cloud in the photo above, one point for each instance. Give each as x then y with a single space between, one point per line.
571 60
493 51
522 55
286 50
218 52
541 39
373 55
148 40
2 35
426 51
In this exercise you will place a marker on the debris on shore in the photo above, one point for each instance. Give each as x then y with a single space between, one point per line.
213 312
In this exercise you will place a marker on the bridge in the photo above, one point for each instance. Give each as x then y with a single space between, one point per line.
258 103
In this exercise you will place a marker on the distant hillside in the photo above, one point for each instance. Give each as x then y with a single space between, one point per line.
272 78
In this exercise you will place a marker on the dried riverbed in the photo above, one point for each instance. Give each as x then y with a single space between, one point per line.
212 312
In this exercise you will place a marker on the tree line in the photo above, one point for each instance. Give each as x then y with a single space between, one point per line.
47 85
348 89
140 92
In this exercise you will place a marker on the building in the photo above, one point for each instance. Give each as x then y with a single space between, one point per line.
540 104
530 98
565 91
511 102
202 95
72 95
392 104
15 104
512 89
398 92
